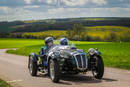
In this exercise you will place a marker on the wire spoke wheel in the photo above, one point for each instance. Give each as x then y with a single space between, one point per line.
98 67
30 67
95 71
52 70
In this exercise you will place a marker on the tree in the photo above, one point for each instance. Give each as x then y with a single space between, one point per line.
78 29
77 33
112 36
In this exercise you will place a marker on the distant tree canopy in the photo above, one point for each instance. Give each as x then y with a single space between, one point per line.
65 24
78 32
86 29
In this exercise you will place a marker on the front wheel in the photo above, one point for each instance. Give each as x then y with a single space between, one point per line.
32 67
97 67
54 71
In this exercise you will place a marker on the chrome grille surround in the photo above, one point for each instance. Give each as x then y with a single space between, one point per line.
81 61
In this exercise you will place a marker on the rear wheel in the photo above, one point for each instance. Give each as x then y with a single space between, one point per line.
32 67
97 67
54 71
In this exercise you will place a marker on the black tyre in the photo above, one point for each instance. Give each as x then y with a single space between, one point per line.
97 67
54 70
32 67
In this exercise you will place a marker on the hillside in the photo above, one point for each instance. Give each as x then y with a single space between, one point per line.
60 24
7 27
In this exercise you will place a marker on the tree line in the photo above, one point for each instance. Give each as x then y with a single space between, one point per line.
68 24
78 32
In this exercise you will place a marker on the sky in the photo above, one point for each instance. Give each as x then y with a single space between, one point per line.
11 10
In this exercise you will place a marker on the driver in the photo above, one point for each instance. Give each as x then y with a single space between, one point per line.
45 49
63 41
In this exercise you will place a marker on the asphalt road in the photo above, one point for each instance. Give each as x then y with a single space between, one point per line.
13 69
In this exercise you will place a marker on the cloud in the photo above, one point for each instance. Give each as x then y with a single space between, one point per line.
99 2
4 10
83 2
44 9
28 1
31 6
51 1
75 2
25 13
89 12
66 3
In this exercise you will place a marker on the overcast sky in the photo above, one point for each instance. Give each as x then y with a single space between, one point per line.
11 10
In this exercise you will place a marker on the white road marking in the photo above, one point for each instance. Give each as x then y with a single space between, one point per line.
13 81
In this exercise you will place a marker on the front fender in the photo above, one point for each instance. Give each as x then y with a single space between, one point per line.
97 52
92 51
56 56
33 57
53 55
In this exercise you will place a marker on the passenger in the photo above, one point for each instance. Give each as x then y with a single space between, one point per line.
45 49
63 41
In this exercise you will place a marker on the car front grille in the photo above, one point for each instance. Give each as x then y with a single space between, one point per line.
81 61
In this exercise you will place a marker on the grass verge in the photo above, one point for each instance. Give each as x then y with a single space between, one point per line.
4 84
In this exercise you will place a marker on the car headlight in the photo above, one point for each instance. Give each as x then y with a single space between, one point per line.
91 51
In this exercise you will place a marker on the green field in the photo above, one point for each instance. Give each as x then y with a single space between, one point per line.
4 84
18 43
114 54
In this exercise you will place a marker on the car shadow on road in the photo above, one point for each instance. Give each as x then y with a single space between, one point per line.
78 79
109 80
